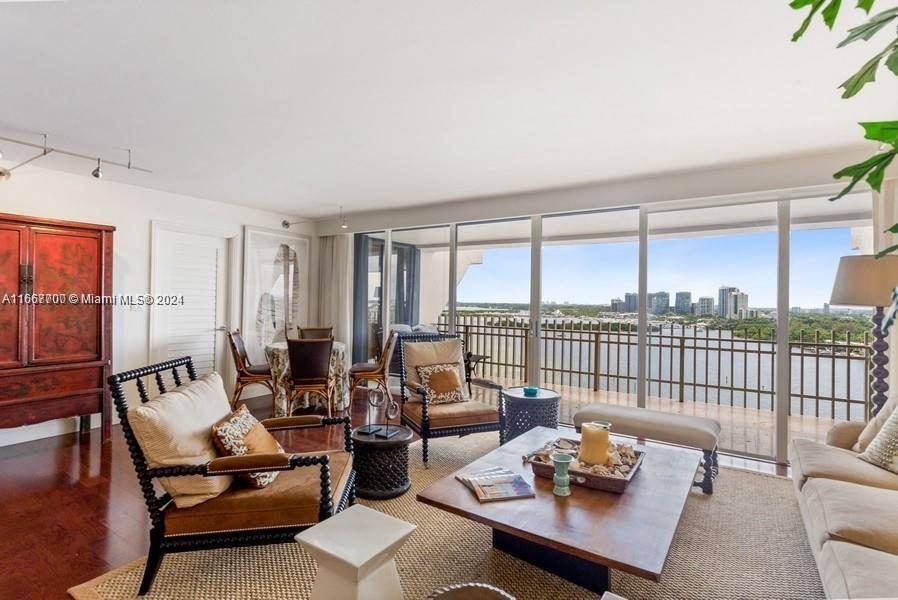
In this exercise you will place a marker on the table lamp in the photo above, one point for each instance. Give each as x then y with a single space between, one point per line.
864 280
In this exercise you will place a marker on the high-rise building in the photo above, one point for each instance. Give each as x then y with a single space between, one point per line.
736 303
683 303
631 302
705 306
617 305
658 303
723 300
747 313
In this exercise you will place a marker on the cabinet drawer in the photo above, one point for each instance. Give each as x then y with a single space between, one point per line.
36 384
13 415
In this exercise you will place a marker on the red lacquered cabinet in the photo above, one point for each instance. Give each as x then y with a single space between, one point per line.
55 336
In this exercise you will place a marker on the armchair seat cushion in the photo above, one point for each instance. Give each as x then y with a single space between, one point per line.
259 369
453 414
364 367
292 500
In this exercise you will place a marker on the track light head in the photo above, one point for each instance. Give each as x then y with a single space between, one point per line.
343 224
1 154
98 172
5 174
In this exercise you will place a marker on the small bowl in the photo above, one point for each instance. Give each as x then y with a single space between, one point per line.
531 392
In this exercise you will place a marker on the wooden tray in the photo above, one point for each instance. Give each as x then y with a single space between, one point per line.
589 479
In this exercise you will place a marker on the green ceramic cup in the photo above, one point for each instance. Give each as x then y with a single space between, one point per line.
561 479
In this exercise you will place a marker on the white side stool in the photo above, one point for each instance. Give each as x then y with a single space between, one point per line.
355 552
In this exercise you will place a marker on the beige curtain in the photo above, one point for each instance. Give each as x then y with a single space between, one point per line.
335 285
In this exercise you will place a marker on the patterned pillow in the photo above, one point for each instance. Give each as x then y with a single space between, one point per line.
441 382
239 434
883 450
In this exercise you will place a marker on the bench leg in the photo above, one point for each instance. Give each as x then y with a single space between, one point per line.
709 462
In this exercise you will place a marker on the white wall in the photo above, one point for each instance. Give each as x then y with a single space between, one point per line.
43 193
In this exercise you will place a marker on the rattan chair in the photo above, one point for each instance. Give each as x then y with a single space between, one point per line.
247 373
310 362
445 420
316 333
375 371
176 529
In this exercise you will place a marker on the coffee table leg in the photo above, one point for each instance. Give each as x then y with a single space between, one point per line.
584 573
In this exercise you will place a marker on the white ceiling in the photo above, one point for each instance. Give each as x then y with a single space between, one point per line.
300 106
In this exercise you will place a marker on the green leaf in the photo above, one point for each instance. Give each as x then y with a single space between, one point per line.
893 228
892 313
881 131
865 5
892 61
877 173
864 169
815 5
888 250
831 12
866 74
867 30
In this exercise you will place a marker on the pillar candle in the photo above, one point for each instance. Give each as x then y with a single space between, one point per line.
594 442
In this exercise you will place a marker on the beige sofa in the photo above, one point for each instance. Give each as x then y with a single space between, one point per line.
850 511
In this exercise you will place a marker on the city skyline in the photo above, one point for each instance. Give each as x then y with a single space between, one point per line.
596 273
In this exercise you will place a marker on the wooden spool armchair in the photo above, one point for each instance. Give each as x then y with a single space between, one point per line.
241 515
247 373
443 420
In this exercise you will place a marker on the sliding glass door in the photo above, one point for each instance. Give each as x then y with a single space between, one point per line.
493 306
588 313
368 274
420 273
711 300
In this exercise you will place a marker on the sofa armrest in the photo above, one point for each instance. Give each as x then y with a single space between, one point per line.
248 463
845 434
485 383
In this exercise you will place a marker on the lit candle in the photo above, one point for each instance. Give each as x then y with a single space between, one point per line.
594 442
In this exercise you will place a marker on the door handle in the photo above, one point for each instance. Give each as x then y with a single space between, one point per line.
222 328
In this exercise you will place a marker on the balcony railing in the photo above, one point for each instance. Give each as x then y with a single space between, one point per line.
684 363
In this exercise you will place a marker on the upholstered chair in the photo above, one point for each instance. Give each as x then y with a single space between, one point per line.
310 361
429 419
203 505
247 373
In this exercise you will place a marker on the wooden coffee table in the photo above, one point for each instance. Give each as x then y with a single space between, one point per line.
583 535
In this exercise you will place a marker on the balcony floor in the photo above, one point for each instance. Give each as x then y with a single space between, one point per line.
745 431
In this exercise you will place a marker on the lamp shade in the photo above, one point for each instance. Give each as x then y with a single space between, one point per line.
865 280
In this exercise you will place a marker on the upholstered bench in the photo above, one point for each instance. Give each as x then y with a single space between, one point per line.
671 428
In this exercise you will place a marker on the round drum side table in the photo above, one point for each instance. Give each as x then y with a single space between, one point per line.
381 464
523 413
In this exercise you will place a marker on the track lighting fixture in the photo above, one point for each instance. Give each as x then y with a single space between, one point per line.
45 150
343 224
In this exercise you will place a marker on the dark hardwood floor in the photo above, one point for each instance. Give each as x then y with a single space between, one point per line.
70 508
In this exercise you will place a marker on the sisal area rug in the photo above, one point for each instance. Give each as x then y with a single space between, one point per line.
745 541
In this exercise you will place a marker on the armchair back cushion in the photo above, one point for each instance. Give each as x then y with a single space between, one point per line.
875 424
175 428
421 354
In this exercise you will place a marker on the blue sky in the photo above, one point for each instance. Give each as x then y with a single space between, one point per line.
594 273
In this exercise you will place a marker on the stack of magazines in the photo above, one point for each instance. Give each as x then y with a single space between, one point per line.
496 483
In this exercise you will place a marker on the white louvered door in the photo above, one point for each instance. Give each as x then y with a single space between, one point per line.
193 267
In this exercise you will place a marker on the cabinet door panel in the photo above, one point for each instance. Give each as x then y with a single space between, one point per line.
13 250
65 262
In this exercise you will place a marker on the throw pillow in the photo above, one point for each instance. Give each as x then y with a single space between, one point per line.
441 382
883 450
875 424
173 429
239 434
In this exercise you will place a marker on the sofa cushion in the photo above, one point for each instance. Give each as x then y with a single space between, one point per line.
813 459
848 512
240 434
292 500
883 450
453 414
876 423
684 430
852 571
175 428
